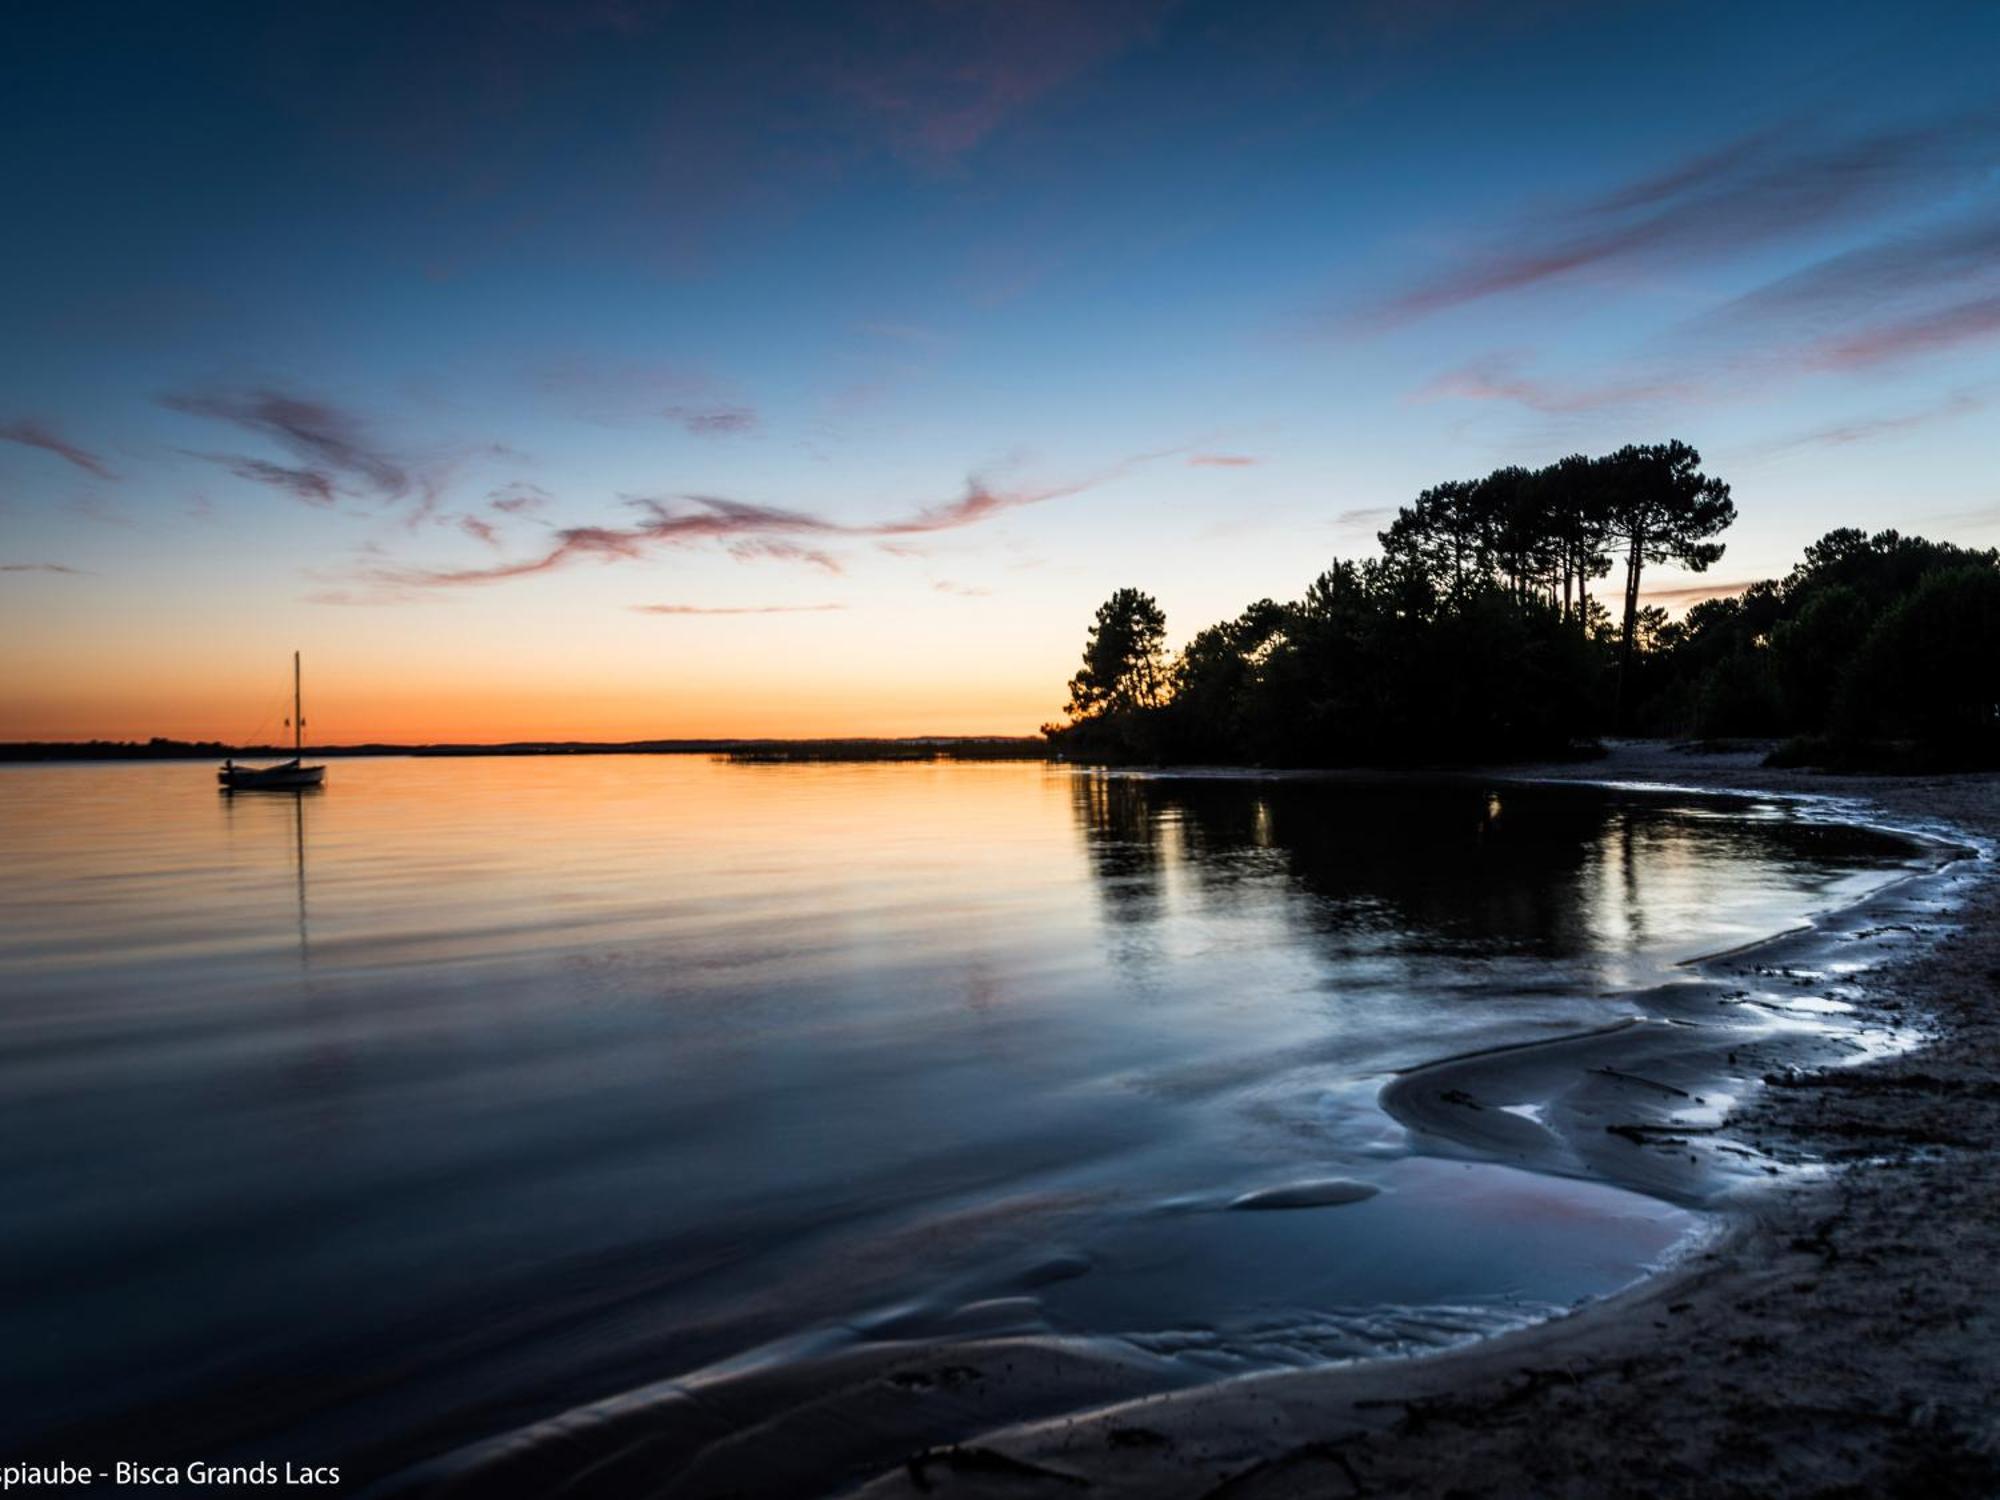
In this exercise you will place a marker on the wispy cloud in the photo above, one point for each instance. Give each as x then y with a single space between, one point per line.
718 516
1499 378
1776 185
721 420
1679 596
634 393
41 567
1865 429
333 447
736 609
1694 174
33 434
1933 331
701 518
980 501
1914 296
962 590
749 529
1367 515
1220 460
1924 293
314 486
1911 264
519 498
752 549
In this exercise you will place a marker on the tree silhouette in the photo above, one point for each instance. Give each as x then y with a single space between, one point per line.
1218 680
1124 658
1534 534
1520 542
1929 668
1660 508
1573 513
1475 637
1440 539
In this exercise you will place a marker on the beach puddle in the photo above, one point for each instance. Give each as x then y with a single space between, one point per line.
1436 1245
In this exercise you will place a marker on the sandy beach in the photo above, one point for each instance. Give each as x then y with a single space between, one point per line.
1832 1335
1837 1340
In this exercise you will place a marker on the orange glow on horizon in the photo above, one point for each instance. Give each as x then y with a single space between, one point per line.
348 715
409 679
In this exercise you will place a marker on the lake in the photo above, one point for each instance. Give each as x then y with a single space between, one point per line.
367 1124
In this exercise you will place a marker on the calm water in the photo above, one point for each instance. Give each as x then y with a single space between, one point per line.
364 1124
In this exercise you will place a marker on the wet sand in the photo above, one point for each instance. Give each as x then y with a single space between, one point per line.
1839 1339
1833 1336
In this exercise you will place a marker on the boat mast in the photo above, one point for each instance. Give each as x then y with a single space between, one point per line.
298 724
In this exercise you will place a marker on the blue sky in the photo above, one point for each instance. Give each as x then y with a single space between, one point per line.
631 368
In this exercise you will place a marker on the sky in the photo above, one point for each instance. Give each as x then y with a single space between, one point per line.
621 369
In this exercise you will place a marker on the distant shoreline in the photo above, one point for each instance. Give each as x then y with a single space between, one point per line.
924 747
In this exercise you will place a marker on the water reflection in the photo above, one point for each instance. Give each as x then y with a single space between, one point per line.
255 813
1121 818
364 1122
1454 868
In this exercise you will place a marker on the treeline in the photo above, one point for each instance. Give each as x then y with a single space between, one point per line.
1874 650
1478 634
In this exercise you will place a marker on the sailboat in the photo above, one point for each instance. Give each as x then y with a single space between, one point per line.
288 776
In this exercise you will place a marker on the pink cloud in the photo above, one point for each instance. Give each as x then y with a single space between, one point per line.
1936 331
771 548
1682 596
1498 379
1767 187
751 530
1220 461
1868 279
979 502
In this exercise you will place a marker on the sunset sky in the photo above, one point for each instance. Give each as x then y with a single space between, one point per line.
620 369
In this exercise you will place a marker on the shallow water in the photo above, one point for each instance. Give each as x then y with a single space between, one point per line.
369 1123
